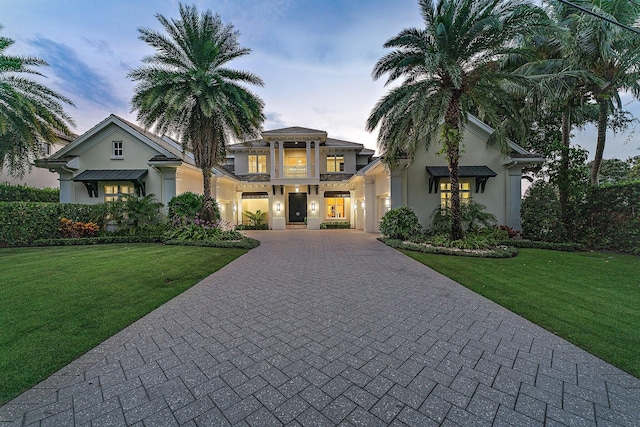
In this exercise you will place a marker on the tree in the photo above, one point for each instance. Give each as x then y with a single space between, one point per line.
30 113
185 89
450 68
612 53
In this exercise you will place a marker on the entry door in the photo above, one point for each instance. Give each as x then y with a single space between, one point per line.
297 207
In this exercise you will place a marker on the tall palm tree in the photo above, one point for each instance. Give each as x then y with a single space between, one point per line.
30 113
450 68
186 90
612 53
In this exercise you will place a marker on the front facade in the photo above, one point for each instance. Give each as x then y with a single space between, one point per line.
298 176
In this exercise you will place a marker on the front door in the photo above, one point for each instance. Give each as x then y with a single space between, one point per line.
297 207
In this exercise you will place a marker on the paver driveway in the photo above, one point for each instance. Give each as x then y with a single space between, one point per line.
325 328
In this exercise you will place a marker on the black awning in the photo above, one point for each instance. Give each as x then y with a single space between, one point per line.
480 173
111 175
255 195
342 194
90 179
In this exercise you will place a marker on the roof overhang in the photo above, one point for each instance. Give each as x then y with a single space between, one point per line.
90 179
480 173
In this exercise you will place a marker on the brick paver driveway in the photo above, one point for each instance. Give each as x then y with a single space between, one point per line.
325 328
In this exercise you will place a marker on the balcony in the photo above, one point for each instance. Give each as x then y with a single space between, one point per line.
295 171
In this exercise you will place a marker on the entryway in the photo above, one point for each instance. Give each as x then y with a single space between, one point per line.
297 207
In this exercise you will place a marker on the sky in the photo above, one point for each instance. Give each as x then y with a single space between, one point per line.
315 57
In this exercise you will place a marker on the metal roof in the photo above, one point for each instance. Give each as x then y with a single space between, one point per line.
111 175
463 171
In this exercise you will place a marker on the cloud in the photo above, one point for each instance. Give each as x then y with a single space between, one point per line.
78 79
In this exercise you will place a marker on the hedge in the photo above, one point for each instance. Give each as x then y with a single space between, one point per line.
23 193
21 223
335 224
97 240
497 252
246 243
536 244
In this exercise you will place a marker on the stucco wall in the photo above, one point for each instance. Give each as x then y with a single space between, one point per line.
36 177
476 152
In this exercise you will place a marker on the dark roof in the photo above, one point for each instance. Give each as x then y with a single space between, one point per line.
254 177
335 176
163 158
111 175
294 129
255 195
342 193
463 171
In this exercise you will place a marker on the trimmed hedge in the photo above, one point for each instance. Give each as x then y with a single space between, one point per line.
23 193
497 252
252 227
536 244
97 240
246 243
21 223
335 224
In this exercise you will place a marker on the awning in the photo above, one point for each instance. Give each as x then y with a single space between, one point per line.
480 173
90 179
255 195
340 194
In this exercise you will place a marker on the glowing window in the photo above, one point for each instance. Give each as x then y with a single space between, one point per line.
116 192
335 207
335 163
445 193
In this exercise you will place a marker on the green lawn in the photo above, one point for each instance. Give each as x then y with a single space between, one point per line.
590 299
57 303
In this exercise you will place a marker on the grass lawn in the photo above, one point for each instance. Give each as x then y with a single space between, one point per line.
589 299
59 302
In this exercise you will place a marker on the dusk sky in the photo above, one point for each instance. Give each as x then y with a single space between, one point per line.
315 57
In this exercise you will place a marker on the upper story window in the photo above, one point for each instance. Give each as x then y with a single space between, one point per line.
335 163
46 148
445 193
117 152
257 163
116 192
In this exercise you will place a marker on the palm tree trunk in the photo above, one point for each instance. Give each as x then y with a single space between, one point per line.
603 115
207 208
452 139
563 173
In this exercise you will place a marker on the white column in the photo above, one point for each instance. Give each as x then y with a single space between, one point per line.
316 174
281 154
168 184
67 194
370 205
308 148
396 187
272 159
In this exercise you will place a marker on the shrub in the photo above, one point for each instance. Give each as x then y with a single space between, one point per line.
23 193
75 229
255 218
540 213
400 223
496 252
252 227
23 222
335 224
244 243
512 233
101 240
187 205
474 217
202 231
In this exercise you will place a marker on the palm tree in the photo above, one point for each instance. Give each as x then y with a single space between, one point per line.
612 53
185 89
30 113
450 68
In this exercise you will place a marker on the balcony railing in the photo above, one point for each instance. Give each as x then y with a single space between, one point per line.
295 171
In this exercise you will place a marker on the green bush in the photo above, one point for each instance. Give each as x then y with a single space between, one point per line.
244 243
535 244
201 232
188 205
474 217
335 224
98 240
400 223
23 222
255 218
497 252
252 227
23 193
540 213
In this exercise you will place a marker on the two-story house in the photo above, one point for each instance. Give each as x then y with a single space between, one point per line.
300 177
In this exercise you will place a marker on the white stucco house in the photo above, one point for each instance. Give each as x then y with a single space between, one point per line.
299 176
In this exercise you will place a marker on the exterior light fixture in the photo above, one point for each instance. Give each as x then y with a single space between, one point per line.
234 207
278 207
297 188
313 206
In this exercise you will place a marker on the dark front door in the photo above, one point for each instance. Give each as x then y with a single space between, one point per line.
297 207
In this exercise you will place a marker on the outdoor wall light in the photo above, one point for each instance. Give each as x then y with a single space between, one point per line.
234 207
313 206
297 188
278 207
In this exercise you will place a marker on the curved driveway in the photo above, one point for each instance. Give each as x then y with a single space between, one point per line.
330 327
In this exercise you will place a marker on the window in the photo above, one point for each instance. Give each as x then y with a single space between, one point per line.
118 152
335 207
445 193
116 192
257 163
46 148
335 163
